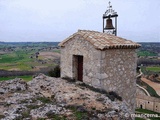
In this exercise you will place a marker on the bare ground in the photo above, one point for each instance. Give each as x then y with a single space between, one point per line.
49 55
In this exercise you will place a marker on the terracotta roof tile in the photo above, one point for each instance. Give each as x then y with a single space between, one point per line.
102 40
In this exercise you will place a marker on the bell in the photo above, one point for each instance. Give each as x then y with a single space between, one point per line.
109 24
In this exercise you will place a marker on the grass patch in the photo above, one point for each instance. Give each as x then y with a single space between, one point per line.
79 114
154 69
147 111
25 78
26 114
144 111
33 106
151 91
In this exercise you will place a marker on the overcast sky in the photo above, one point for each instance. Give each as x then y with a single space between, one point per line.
55 20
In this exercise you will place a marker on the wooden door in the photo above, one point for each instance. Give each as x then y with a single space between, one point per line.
80 68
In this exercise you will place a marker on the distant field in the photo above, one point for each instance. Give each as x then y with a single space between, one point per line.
26 78
154 69
21 60
146 53
58 51
16 60
27 58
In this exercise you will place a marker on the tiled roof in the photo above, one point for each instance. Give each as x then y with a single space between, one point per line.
102 41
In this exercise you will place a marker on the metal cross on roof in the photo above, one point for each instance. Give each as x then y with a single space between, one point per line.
109 5
110 10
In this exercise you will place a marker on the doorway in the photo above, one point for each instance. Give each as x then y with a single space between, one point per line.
78 67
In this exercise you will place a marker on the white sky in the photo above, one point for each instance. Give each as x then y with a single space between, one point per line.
55 20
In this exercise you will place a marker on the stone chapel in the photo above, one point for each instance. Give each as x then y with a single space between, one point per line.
101 60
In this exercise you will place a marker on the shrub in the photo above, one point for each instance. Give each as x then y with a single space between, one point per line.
44 100
2 116
55 72
26 114
112 93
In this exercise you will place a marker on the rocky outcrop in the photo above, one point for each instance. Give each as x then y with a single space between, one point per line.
48 98
12 86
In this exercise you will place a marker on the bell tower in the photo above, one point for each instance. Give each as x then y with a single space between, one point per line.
108 15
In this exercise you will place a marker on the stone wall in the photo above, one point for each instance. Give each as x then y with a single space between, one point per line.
111 70
118 73
148 102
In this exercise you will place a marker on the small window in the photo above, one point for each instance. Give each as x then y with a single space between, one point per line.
148 102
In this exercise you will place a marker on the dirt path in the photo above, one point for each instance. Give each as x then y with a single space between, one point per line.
154 85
